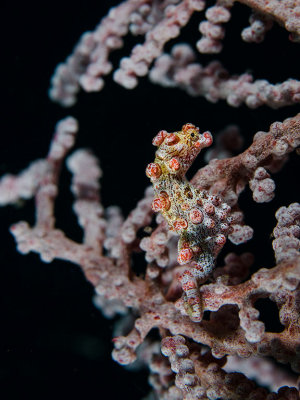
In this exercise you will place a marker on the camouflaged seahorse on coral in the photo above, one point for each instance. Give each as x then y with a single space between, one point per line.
201 220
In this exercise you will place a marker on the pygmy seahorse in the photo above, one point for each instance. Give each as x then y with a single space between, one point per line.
202 220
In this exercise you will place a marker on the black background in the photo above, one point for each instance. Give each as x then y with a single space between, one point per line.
53 341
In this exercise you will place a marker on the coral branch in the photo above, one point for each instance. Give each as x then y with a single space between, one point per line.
160 22
180 69
228 177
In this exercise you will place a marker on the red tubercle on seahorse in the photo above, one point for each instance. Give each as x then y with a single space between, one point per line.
185 255
159 138
153 170
188 126
196 216
180 224
171 139
161 203
174 164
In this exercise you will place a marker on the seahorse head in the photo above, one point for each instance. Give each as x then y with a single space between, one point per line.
176 151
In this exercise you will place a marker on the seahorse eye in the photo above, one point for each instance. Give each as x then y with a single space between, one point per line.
192 135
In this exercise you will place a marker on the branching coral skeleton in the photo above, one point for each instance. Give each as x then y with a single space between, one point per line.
178 287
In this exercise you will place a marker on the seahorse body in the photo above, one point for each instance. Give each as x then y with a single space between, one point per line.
199 218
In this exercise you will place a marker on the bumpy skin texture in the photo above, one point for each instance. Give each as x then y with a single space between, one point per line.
201 220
